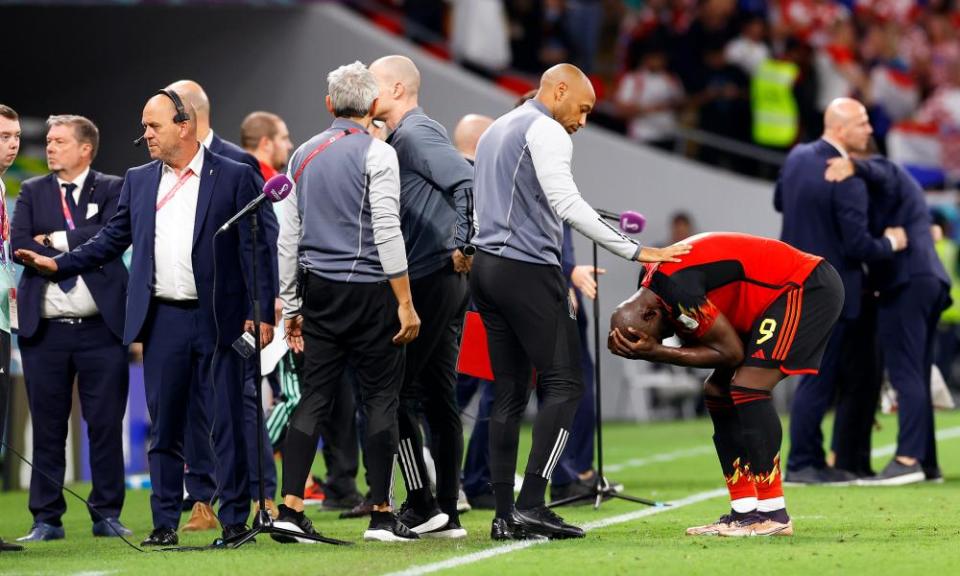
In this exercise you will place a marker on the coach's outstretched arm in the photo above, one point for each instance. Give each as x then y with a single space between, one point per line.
551 150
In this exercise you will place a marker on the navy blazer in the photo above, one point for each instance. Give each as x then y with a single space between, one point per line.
828 219
896 199
268 219
225 188
39 210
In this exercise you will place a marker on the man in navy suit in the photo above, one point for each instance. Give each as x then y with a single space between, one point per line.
188 298
72 329
199 480
829 219
914 290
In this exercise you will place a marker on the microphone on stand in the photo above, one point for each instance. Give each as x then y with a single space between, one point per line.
630 222
274 190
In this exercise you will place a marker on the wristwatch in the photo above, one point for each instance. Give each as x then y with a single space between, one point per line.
469 250
47 241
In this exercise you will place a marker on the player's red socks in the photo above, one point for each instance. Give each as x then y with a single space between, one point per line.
732 453
762 434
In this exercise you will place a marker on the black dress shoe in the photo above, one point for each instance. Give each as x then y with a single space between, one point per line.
542 521
505 529
162 537
233 533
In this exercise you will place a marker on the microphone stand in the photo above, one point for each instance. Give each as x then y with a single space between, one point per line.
601 488
263 523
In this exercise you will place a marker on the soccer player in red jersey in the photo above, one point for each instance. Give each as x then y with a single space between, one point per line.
755 310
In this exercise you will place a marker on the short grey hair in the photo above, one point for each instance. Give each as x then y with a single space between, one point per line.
352 89
84 130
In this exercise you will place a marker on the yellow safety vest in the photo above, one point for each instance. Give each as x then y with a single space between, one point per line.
775 117
947 251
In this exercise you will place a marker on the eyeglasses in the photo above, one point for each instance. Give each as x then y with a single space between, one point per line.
7 137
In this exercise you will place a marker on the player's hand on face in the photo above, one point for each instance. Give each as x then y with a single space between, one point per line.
584 279
838 169
669 254
409 324
638 348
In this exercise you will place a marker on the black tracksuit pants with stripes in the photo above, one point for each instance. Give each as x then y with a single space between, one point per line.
530 324
430 389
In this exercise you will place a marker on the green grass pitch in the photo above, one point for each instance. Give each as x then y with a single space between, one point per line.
854 530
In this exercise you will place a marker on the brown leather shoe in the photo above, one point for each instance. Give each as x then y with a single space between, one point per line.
271 508
201 518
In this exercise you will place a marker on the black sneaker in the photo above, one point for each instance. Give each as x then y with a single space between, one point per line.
507 529
452 530
826 476
544 522
295 522
385 527
896 474
162 537
420 521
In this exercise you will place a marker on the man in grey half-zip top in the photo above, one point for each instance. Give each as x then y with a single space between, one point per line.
524 193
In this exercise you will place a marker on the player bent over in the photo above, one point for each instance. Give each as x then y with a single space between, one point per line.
755 310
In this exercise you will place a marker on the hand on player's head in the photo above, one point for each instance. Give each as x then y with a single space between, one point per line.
668 254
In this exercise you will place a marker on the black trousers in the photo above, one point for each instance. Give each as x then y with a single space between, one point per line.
530 324
430 386
4 382
347 323
52 357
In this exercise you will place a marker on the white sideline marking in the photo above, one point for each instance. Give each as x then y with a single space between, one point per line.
508 548
886 450
660 458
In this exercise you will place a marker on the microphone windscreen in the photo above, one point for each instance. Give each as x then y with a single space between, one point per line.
278 187
632 222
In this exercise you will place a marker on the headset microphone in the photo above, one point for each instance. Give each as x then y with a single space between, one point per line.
139 141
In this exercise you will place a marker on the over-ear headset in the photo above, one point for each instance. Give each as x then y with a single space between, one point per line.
181 115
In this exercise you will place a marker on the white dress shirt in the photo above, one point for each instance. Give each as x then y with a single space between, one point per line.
173 243
78 302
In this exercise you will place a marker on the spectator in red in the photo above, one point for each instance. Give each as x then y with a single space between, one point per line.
265 135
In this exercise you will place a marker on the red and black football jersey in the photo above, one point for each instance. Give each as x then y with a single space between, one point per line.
738 275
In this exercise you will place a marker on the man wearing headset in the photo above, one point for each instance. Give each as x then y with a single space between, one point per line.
187 299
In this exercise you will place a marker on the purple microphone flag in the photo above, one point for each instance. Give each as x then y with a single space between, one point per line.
632 222
278 188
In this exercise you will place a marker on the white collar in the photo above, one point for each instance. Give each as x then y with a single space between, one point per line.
196 164
79 180
208 140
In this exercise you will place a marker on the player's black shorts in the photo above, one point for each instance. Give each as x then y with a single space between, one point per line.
793 331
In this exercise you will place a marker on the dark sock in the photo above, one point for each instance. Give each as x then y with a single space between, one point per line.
762 435
780 515
532 492
284 511
503 494
381 518
728 440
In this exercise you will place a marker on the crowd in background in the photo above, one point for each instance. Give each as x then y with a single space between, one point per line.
661 65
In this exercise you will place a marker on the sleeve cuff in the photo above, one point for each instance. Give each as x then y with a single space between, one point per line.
59 241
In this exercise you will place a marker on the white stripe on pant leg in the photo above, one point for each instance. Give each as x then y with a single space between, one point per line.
415 480
566 438
390 490
405 462
554 454
413 463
